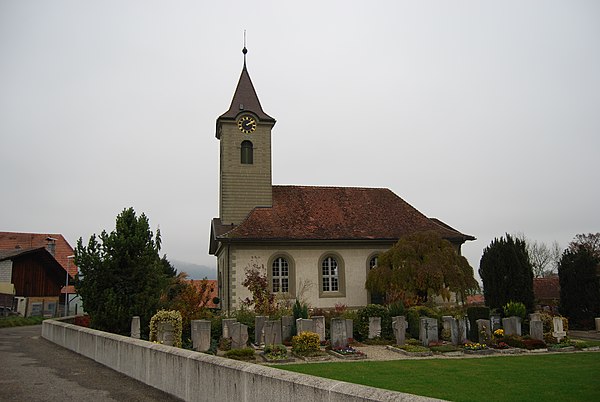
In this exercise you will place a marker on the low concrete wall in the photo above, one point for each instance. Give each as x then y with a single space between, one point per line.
194 376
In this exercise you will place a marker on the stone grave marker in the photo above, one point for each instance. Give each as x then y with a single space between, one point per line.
201 335
164 333
239 335
463 329
374 327
536 330
451 325
512 326
559 332
339 336
597 320
287 325
259 322
428 330
305 325
272 331
496 322
484 331
320 326
350 328
399 326
226 325
135 327
535 317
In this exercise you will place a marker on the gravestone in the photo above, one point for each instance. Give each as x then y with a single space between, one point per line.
201 335
399 326
512 325
305 325
463 329
259 322
320 327
496 322
287 325
597 320
350 328
238 333
226 325
451 325
272 331
374 327
558 332
484 331
536 330
535 317
428 330
339 336
165 333
135 327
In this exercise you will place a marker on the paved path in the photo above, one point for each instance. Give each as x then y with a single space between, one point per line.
33 369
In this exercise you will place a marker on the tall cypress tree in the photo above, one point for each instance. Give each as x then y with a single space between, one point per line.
507 273
579 286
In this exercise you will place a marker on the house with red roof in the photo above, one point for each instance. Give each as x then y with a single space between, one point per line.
37 264
313 243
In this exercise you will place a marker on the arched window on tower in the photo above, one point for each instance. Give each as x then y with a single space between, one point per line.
247 153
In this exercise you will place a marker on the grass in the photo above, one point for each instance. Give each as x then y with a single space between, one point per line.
14 321
553 377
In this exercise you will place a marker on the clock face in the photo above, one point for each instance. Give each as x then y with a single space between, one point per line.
247 124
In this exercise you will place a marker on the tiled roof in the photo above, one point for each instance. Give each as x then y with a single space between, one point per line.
245 98
335 213
546 288
211 282
13 240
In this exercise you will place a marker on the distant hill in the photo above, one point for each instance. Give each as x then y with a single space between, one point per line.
195 271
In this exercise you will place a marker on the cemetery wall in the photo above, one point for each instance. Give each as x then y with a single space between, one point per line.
194 376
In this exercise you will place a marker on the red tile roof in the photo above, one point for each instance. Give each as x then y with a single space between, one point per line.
334 213
12 241
545 289
211 282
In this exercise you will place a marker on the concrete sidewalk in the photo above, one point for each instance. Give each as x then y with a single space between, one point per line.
33 369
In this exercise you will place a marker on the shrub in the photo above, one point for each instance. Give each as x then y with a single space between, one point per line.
240 354
513 341
514 309
171 316
276 352
414 314
396 309
306 344
247 317
361 328
533 344
476 313
82 320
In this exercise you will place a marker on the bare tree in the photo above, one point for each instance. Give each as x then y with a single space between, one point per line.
590 242
544 259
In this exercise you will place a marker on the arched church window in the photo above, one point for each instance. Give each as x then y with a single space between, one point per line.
373 262
247 153
280 275
330 275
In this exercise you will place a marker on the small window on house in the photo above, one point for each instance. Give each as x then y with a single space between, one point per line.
280 275
247 153
330 275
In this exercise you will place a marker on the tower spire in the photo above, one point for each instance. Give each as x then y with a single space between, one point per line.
244 50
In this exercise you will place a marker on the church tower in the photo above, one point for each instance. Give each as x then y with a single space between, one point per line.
244 133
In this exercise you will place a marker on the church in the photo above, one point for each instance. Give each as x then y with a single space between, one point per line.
312 243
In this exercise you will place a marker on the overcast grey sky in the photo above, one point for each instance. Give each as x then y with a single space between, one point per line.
484 114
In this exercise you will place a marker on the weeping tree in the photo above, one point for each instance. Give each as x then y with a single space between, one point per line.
121 274
418 266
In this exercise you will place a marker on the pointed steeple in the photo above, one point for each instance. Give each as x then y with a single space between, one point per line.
245 98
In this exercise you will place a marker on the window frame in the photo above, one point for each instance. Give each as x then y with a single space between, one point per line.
247 152
341 276
291 274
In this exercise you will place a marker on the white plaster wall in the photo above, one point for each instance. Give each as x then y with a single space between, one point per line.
306 260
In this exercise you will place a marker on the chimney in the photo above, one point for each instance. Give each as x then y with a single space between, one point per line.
51 245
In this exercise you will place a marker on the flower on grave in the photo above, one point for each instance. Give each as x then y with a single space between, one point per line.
499 333
502 345
475 346
347 350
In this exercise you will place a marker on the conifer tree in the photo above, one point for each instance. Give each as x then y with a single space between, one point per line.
506 273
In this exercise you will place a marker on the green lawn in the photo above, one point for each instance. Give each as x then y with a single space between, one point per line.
15 321
554 377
